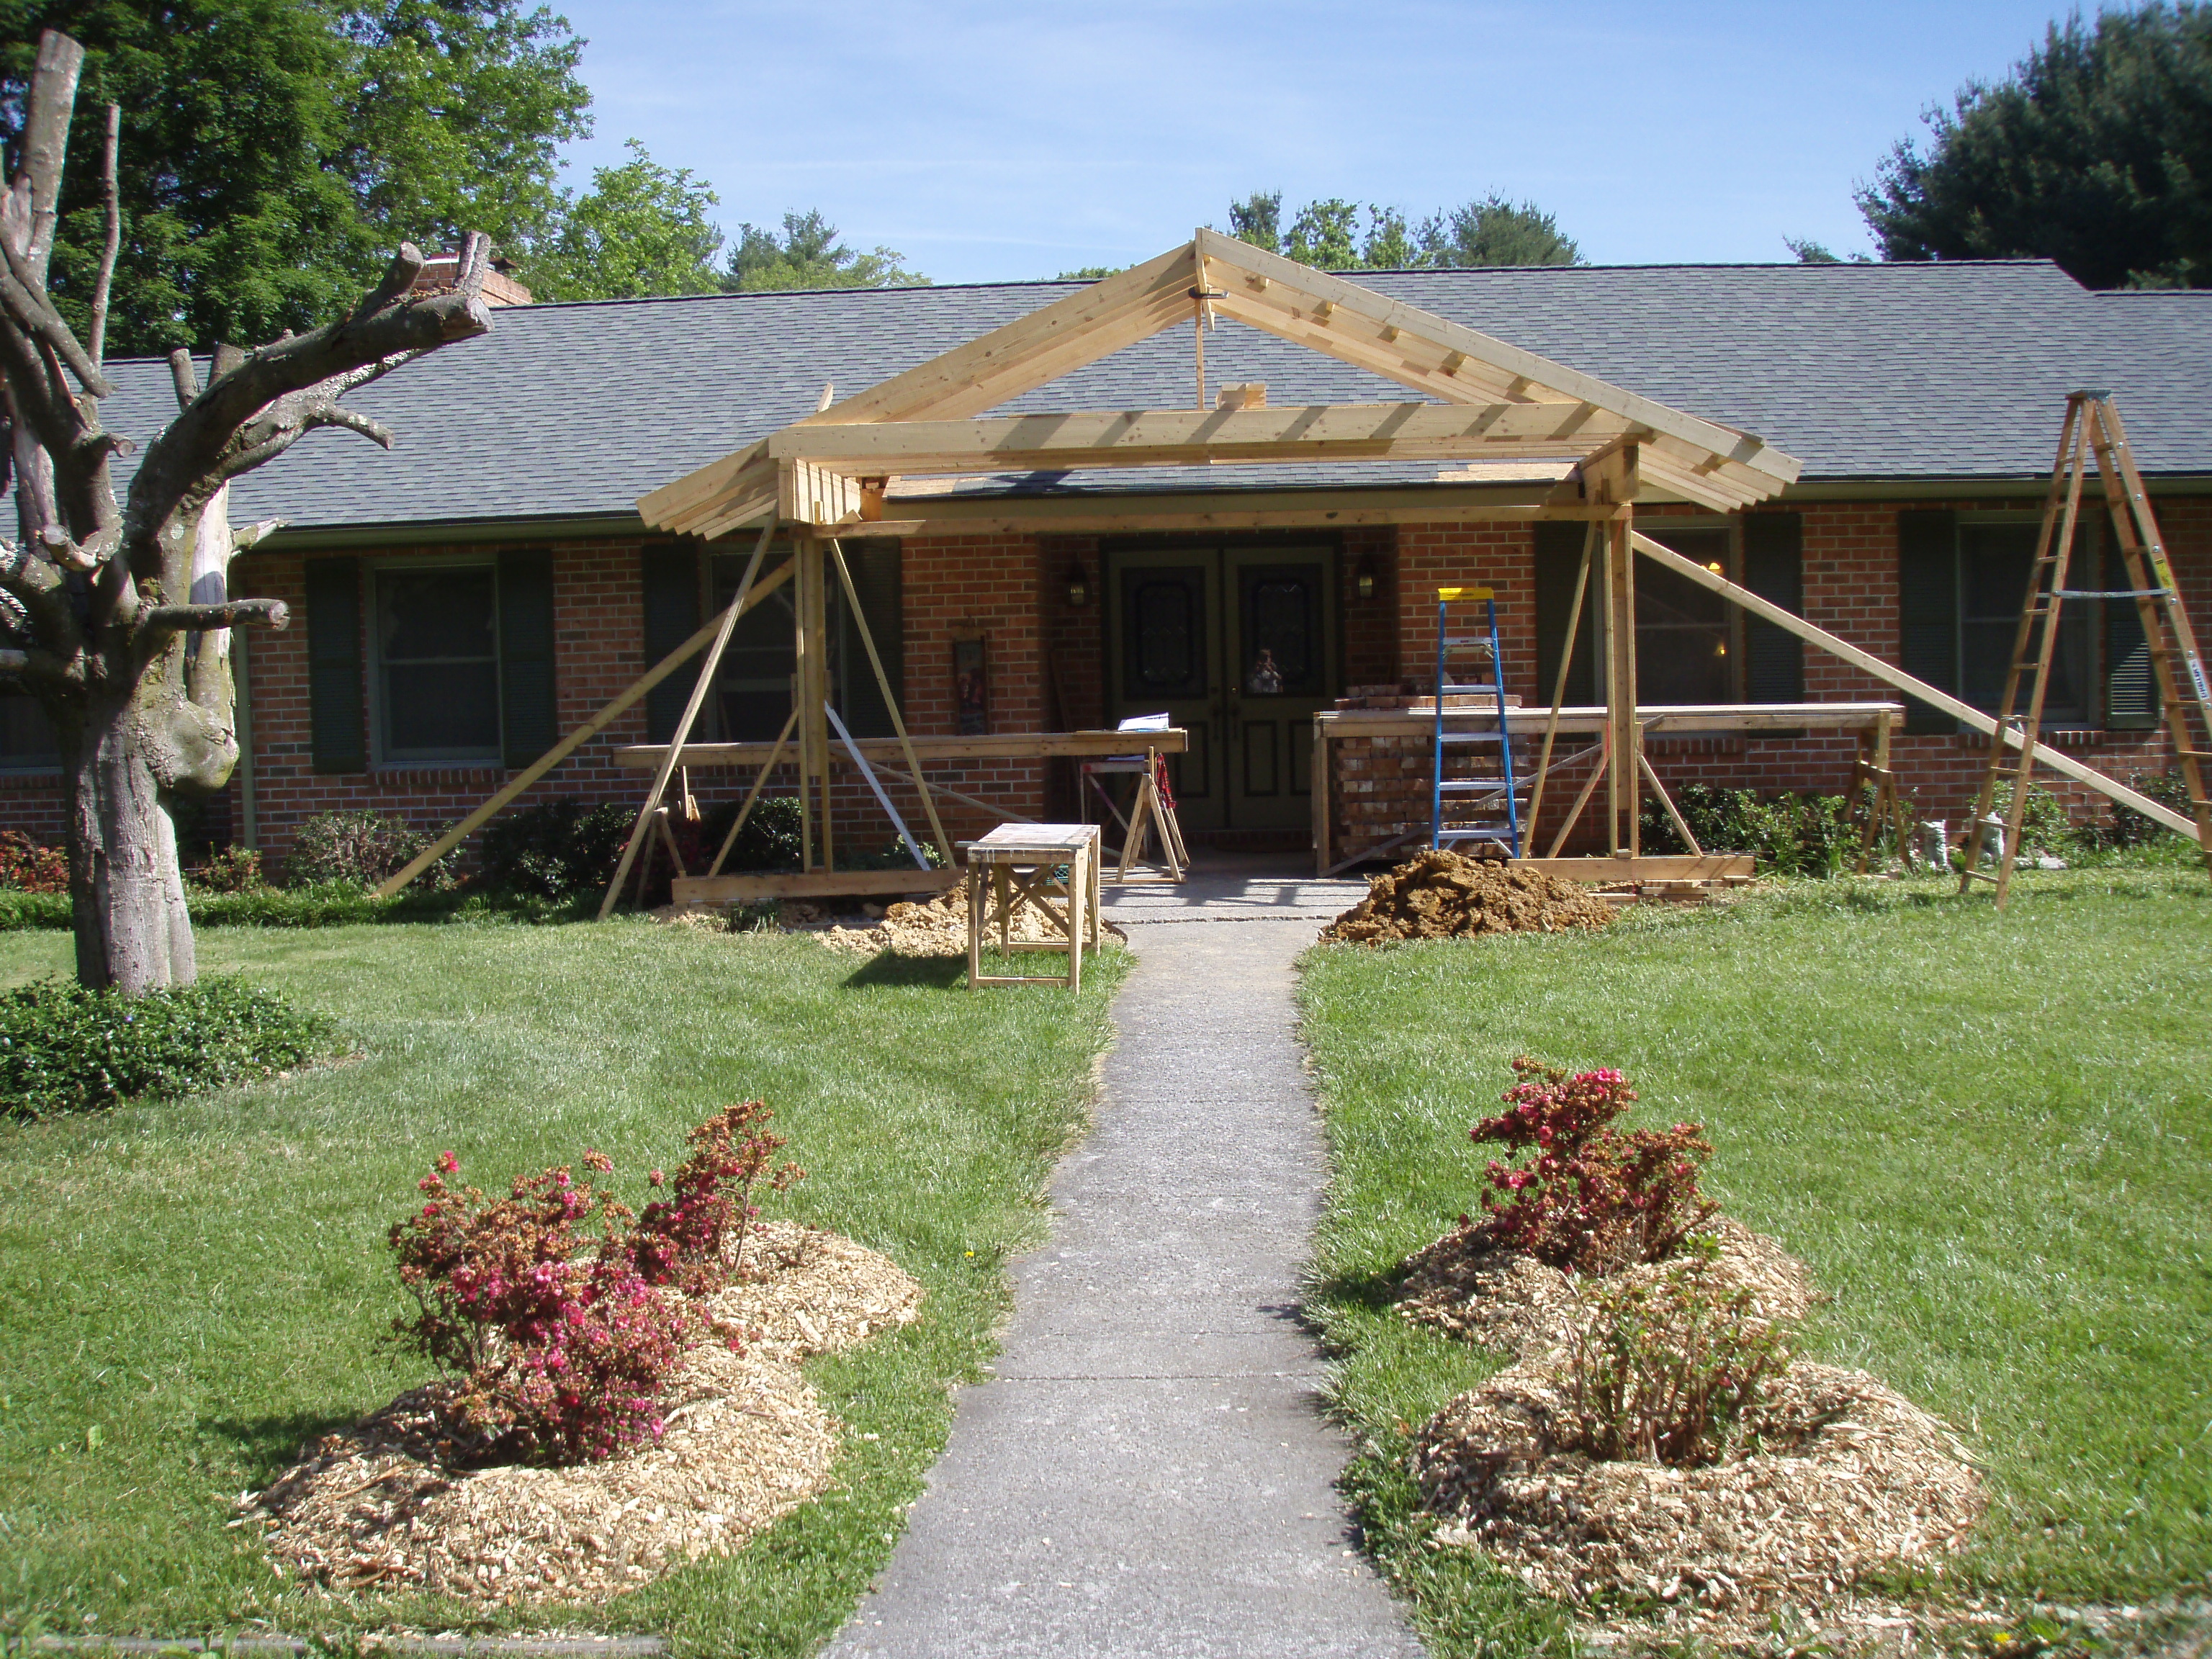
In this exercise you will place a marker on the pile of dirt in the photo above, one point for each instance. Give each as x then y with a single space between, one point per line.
1850 1478
1837 1477
938 927
1467 1286
745 1441
1441 894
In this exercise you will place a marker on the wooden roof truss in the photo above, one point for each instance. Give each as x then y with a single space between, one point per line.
1497 402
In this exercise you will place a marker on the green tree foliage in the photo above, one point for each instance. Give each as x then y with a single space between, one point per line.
809 255
273 151
1808 252
2096 151
1328 233
642 229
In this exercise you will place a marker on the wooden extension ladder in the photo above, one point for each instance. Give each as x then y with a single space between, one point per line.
2092 429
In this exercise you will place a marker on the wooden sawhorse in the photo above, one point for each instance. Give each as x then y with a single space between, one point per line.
1021 864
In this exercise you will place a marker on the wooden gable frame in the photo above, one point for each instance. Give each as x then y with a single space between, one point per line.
1498 403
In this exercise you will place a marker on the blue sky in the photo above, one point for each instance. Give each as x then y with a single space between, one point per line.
992 142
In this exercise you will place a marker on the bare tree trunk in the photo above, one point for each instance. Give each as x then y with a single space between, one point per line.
132 932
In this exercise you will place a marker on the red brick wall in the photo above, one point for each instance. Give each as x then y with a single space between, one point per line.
1011 591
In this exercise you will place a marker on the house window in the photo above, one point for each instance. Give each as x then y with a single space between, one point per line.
436 641
1692 647
753 685
28 741
1962 579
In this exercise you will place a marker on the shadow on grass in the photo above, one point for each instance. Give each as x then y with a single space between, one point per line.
267 1446
889 968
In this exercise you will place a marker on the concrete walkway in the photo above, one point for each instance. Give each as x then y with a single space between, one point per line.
1148 1472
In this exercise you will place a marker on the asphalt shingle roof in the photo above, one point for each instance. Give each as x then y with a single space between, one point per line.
1865 373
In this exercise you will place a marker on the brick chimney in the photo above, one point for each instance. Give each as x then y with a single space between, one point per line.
500 289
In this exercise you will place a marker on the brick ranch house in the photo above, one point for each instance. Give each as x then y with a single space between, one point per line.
461 603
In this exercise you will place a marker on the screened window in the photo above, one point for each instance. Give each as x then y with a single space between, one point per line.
28 743
752 688
1995 560
436 643
1685 633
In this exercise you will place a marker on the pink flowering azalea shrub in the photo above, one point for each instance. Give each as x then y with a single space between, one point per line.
1589 1197
561 1318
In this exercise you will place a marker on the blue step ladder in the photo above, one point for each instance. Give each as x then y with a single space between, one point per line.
1486 804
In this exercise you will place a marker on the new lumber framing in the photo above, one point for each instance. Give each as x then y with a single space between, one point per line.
1964 713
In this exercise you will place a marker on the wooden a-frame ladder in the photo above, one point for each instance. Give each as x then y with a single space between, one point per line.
2092 429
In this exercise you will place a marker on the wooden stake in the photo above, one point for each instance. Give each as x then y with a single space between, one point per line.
1560 680
690 712
568 745
752 794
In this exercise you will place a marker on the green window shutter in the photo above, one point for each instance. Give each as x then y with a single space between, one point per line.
2131 687
525 656
338 732
1774 568
1928 611
875 566
1559 560
671 580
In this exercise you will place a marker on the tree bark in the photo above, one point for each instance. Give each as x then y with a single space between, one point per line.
133 933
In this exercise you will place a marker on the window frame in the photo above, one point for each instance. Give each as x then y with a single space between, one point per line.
381 751
2089 540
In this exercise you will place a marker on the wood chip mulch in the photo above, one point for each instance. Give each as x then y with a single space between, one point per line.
1840 1476
745 1442
1466 1287
1441 894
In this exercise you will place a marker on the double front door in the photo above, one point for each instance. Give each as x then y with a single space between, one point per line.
1238 646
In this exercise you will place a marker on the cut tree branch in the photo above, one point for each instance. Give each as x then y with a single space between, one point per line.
44 145
112 202
167 619
254 408
28 303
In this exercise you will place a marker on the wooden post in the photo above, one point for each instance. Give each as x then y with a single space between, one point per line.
813 677
1623 777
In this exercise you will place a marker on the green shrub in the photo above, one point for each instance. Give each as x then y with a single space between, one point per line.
1671 1370
229 870
556 849
2130 828
27 867
770 840
65 1049
1792 835
363 846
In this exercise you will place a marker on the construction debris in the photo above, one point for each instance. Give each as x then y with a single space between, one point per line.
1467 1286
1442 894
745 1441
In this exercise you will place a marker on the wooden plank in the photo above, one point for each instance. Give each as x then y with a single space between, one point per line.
1709 867
1966 713
1656 718
1285 277
1624 782
568 745
911 516
1173 437
1005 745
819 883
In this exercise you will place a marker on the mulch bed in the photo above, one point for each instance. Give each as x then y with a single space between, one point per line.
1838 1476
1441 894
745 1442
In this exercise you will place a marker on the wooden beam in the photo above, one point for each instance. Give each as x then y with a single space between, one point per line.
1624 787
1003 745
692 707
568 745
1966 713
1707 867
1291 284
1589 720
819 883
1184 437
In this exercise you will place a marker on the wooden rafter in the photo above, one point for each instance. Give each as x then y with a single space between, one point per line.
924 420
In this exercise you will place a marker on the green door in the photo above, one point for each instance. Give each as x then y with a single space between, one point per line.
1238 646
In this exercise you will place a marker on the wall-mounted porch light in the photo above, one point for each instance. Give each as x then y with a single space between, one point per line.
1078 585
1363 578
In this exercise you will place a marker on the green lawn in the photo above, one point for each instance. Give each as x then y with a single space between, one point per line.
1989 1135
189 1290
